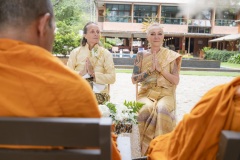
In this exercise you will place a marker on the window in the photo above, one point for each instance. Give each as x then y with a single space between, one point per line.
192 29
169 15
226 17
143 11
118 12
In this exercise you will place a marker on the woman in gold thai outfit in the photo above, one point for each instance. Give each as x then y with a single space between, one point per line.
157 69
93 62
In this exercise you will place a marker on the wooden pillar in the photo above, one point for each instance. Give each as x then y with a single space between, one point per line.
132 12
213 19
183 43
189 39
131 42
159 13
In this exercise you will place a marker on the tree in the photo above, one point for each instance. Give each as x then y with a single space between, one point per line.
71 16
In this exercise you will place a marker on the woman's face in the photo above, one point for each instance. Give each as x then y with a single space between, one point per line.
155 36
93 34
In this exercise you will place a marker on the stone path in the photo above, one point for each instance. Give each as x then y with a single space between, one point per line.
189 90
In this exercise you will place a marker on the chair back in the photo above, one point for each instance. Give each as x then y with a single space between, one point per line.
79 138
229 146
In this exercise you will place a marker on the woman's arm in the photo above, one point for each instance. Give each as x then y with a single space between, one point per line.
172 77
137 76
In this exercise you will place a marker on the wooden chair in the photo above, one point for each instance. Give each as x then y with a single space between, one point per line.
74 134
229 146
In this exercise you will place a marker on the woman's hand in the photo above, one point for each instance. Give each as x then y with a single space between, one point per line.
89 67
158 67
83 72
156 64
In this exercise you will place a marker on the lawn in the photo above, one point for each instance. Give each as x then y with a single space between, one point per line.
230 65
197 73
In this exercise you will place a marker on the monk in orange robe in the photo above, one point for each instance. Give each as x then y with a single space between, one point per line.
197 136
33 82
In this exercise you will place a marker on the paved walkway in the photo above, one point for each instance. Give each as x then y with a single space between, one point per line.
189 90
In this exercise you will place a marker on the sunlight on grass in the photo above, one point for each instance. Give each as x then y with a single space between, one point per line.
196 73
210 73
230 65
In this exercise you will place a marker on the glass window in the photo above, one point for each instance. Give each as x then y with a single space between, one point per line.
192 29
222 13
204 15
118 12
169 11
143 11
226 17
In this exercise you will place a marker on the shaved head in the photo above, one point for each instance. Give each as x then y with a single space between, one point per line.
20 13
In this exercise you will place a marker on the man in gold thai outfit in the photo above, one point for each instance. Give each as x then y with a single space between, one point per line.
197 136
93 62
158 72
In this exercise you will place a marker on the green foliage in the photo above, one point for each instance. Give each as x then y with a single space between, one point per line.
221 55
71 16
111 41
135 106
111 106
72 12
235 59
64 43
205 49
107 45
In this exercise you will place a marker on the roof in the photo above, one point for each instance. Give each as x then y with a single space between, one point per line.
231 37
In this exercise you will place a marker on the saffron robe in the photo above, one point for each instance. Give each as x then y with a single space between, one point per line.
197 136
34 83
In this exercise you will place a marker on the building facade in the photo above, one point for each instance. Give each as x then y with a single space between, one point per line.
185 30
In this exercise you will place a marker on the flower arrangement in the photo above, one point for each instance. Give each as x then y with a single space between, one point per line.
123 115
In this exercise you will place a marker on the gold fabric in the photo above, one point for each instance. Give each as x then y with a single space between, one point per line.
100 58
157 116
101 97
197 136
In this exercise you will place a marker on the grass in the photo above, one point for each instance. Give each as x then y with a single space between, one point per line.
230 65
210 73
194 73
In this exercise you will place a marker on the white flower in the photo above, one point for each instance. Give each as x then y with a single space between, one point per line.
118 113
104 110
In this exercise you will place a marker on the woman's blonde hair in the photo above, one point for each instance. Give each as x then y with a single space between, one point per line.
155 24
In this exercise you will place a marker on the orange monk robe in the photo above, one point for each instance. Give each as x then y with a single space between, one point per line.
197 135
33 83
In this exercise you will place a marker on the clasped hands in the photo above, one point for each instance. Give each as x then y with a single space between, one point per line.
155 64
88 68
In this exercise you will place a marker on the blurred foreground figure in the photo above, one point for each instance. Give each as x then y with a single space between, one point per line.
33 82
197 136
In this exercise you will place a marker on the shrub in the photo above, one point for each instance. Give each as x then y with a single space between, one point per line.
107 46
235 59
64 43
221 55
